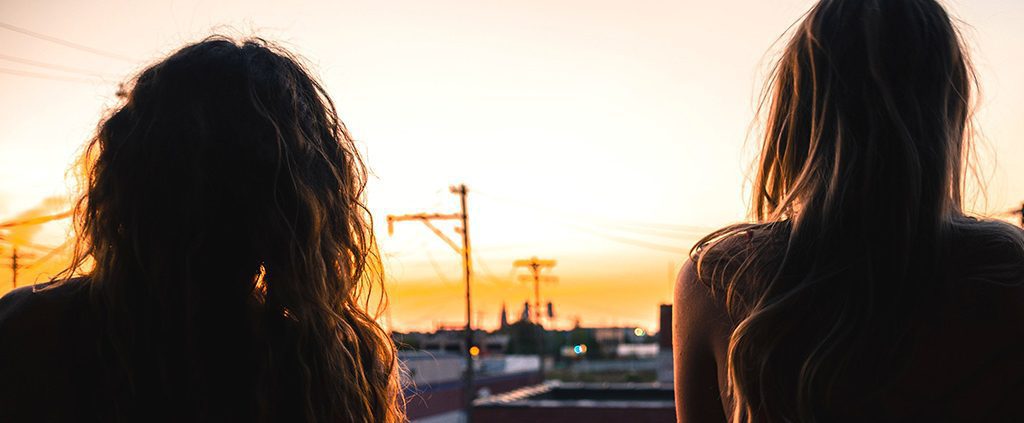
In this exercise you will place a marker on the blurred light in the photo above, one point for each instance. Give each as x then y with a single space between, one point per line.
577 349
639 332
474 351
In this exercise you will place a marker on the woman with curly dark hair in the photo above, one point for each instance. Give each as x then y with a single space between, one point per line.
224 260
862 292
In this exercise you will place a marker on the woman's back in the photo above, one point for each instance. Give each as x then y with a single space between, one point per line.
955 357
50 350
55 348
962 361
958 358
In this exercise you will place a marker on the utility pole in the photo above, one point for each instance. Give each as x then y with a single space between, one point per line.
535 266
14 267
464 250
18 258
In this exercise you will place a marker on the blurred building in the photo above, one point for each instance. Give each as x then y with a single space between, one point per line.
433 385
625 342
665 373
508 383
637 350
453 340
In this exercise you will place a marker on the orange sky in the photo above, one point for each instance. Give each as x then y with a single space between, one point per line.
582 128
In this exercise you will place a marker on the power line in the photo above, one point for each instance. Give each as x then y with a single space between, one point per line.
661 233
661 229
501 283
437 270
30 246
574 216
53 66
631 241
66 43
671 227
36 220
601 226
46 76
53 253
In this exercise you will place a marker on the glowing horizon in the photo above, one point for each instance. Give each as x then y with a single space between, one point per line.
608 136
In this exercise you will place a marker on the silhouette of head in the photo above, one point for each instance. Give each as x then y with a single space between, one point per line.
869 103
225 187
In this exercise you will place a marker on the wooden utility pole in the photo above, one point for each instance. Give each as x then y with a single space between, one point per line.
18 258
535 266
467 271
14 267
464 251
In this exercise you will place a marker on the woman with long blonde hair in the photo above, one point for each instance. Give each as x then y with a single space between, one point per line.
224 256
862 291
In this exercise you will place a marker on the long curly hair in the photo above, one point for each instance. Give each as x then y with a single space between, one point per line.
857 204
224 240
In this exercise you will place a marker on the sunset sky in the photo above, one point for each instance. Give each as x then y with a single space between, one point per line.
606 135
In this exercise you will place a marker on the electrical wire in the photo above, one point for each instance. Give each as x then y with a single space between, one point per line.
53 253
576 216
35 248
629 241
66 43
660 233
606 229
36 220
437 269
53 66
47 76
488 274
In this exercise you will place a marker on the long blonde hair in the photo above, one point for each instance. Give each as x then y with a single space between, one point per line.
857 203
230 250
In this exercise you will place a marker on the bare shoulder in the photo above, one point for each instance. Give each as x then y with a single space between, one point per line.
696 301
700 315
700 333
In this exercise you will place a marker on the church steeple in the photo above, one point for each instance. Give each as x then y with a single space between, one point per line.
504 316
